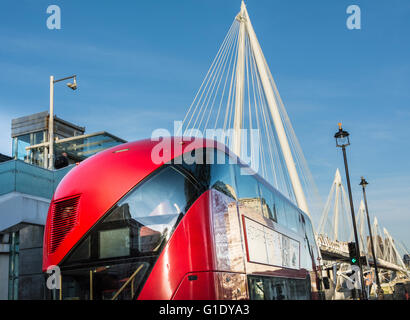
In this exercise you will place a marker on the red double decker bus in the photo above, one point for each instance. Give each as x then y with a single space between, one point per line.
195 225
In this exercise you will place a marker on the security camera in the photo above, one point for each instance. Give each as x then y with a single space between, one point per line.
72 85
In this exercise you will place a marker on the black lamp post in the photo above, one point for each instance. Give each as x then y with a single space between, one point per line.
364 183
342 141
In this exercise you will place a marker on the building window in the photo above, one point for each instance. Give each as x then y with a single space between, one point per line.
34 156
20 149
14 266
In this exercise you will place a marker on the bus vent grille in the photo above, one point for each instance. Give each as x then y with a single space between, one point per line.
63 221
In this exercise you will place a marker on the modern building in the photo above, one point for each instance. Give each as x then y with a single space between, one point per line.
25 193
26 188
30 140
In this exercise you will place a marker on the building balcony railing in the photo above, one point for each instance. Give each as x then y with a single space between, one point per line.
78 148
19 176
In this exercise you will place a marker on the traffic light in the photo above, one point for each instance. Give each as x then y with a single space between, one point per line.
353 253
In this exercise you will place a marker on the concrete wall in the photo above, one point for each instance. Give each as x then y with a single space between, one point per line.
31 277
4 275
18 208
25 193
4 266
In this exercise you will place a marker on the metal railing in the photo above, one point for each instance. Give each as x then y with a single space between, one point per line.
130 280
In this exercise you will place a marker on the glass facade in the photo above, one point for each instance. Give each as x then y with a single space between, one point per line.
20 143
19 147
82 147
77 148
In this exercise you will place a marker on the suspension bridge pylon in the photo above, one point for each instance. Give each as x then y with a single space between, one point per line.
239 93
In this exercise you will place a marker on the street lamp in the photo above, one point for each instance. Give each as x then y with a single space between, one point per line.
72 86
364 183
342 141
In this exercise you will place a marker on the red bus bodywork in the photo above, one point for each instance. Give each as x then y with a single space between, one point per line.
194 263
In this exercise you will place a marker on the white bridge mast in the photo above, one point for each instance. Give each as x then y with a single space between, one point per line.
240 81
263 69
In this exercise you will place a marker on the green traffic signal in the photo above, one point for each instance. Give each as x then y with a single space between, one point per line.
352 252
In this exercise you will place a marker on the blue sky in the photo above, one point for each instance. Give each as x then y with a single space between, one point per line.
139 64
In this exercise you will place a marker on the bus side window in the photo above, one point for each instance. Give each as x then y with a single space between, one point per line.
309 232
268 203
272 288
249 199
311 238
301 225
280 210
222 174
292 216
